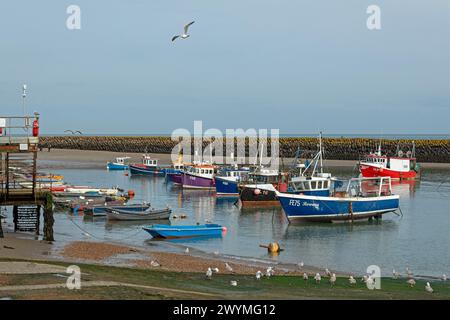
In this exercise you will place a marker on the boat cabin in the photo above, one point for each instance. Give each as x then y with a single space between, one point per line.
264 176
149 162
205 171
121 160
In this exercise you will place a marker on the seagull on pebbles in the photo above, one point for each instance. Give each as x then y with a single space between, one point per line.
305 276
228 267
258 275
351 280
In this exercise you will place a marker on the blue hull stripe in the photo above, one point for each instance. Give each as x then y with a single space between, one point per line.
309 207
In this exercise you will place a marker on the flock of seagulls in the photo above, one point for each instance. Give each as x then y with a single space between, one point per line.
367 279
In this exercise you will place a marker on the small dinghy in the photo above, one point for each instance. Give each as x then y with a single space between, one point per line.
200 230
99 210
148 214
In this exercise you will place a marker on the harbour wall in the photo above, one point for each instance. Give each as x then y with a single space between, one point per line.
334 148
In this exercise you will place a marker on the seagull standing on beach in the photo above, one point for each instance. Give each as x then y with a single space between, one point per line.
185 34
228 267
411 282
428 288
187 250
269 272
305 276
327 272
351 280
333 279
216 270
300 265
317 277
209 273
233 283
444 277
258 275
154 263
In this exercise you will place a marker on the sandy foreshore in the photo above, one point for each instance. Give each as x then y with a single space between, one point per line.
26 246
66 158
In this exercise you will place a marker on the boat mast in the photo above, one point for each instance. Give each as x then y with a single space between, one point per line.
320 152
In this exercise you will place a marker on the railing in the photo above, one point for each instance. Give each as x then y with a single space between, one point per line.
20 126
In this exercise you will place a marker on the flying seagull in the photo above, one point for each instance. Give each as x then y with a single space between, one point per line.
185 32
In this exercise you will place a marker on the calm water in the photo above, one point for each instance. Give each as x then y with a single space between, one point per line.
420 239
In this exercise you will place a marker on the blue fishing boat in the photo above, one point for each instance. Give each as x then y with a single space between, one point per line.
362 198
175 172
119 164
227 182
148 166
200 230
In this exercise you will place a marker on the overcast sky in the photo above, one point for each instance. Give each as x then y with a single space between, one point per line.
299 66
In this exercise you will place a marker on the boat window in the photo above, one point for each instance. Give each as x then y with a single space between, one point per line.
313 184
319 184
325 184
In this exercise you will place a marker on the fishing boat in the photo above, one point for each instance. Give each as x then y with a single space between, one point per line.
175 172
399 167
200 230
198 176
98 210
149 166
76 190
148 214
228 179
261 187
119 164
355 202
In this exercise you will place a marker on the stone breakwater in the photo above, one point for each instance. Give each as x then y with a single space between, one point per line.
335 148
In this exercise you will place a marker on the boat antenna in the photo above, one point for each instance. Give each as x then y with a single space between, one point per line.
261 153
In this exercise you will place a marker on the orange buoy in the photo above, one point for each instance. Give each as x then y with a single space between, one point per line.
131 193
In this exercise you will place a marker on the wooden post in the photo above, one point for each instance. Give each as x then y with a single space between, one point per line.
1 229
48 218
38 222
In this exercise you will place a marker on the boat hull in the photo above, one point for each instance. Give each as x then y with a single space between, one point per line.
176 178
369 171
312 208
116 166
169 232
101 210
124 215
195 182
145 170
226 187
259 195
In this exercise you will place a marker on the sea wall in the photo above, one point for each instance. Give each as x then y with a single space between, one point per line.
335 148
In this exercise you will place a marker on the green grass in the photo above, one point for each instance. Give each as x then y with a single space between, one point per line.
277 287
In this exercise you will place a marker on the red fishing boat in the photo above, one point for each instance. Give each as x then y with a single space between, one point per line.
399 167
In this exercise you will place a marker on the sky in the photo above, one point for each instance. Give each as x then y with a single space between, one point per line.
298 66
